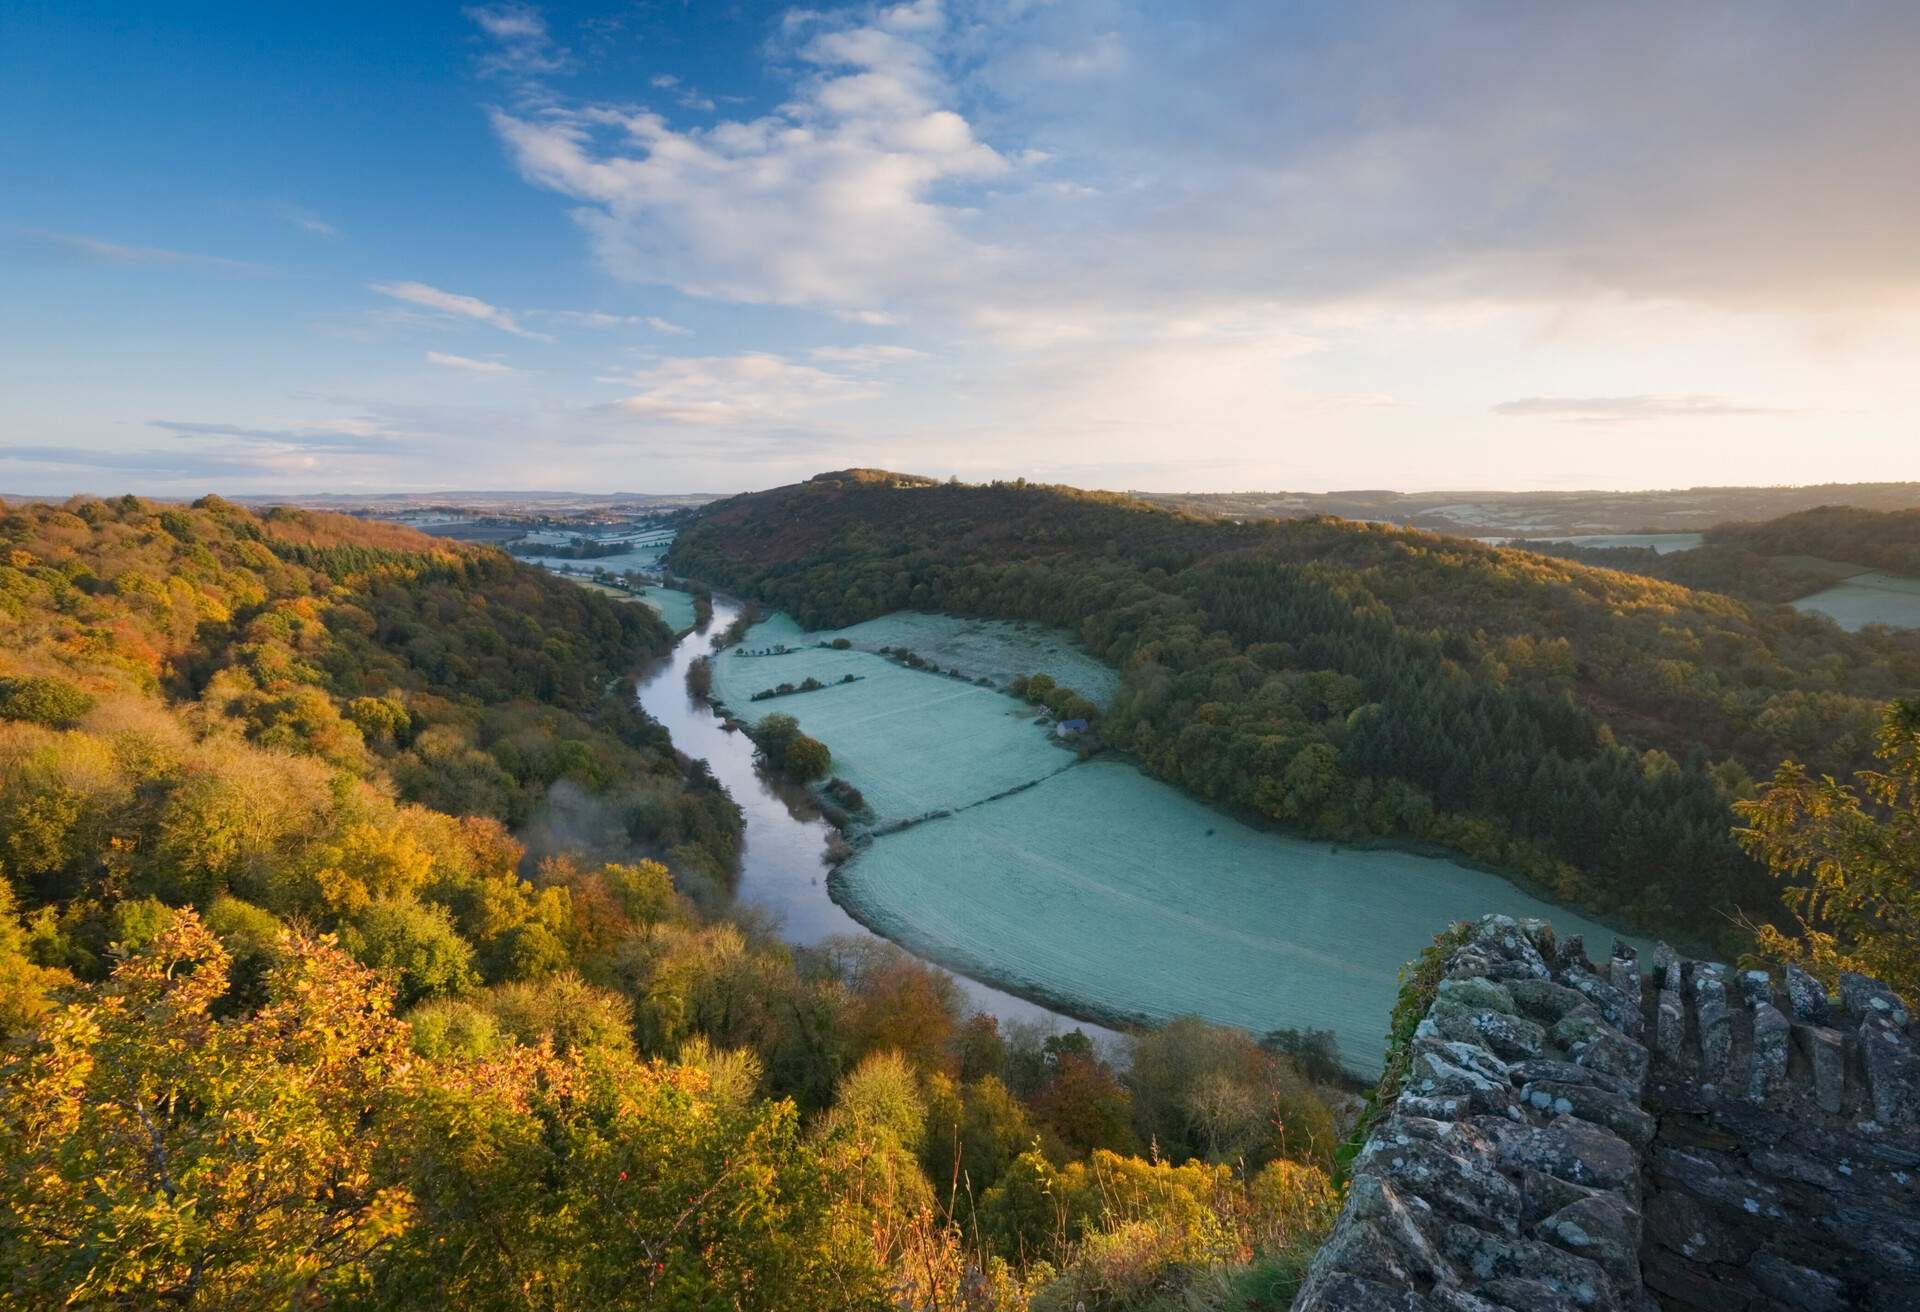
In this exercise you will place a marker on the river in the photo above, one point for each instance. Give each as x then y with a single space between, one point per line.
781 868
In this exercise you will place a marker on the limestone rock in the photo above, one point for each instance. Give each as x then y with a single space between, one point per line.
1798 1286
1497 1257
1768 1071
1666 966
1475 995
1716 1023
1826 1055
1544 1000
1623 972
1670 1024
1623 1115
1869 997
1506 1035
1807 995
1602 1228
1567 1149
1888 1061
1343 1291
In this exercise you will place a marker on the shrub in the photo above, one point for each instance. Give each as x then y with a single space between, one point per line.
806 758
42 700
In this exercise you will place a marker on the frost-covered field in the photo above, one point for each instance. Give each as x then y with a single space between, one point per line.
1869 599
672 606
1106 890
993 649
1662 543
1098 888
675 607
911 741
647 557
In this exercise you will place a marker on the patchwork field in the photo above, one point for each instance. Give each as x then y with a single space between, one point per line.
1097 888
671 605
912 742
1869 598
1102 889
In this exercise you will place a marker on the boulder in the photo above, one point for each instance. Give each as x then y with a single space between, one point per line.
1603 1228
1807 996
1767 1071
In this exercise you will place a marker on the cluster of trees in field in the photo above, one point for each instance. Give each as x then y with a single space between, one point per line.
357 949
802 758
1583 728
1065 703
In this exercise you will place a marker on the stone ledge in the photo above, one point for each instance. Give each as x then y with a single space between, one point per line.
1580 1136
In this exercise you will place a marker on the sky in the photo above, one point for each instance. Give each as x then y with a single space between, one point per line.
710 246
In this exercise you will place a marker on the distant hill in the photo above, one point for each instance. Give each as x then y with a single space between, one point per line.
1584 728
1547 514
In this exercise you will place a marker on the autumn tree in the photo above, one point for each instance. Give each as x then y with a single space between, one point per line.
152 1154
1854 852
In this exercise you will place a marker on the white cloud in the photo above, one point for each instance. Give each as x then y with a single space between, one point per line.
735 390
522 44
456 306
671 329
837 199
866 357
470 365
871 318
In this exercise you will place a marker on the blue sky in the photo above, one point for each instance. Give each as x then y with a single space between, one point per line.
683 247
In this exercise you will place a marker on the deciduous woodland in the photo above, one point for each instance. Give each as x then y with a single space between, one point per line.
1584 729
363 945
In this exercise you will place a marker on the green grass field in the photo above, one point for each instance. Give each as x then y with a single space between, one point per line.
1101 889
1868 598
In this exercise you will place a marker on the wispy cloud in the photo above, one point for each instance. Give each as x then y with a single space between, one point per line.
336 436
871 318
748 389
601 319
1627 409
456 306
866 357
79 246
494 367
310 223
522 43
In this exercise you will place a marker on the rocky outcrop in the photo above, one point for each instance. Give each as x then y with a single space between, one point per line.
1573 1135
1785 1167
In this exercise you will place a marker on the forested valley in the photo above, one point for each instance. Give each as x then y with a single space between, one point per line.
1583 729
362 944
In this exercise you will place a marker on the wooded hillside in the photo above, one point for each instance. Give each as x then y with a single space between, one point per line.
1584 728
